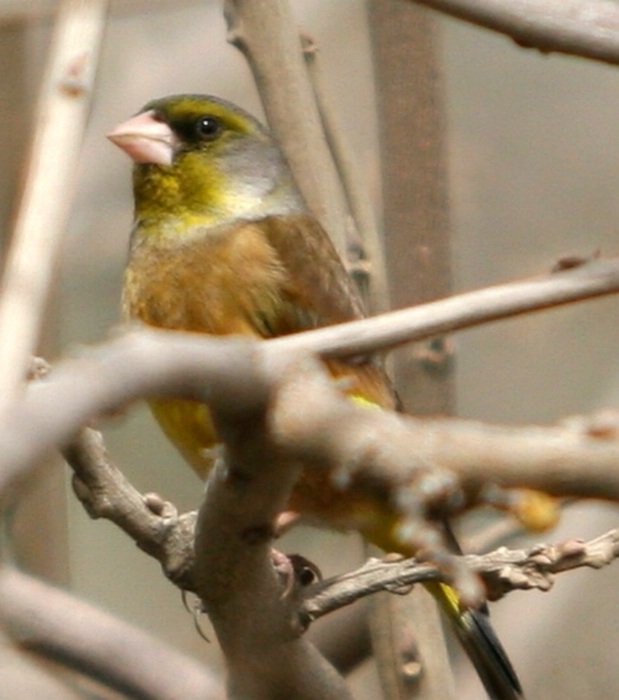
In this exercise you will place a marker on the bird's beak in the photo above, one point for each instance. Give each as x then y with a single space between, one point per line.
146 139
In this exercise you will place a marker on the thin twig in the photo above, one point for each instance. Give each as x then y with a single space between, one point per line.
502 570
594 278
63 108
52 623
372 261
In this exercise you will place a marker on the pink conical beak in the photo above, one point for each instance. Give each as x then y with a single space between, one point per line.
146 139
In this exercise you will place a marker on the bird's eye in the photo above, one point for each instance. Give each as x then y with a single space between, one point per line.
208 128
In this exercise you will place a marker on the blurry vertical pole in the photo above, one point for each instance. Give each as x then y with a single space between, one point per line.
42 508
40 220
38 530
412 120
13 94
416 225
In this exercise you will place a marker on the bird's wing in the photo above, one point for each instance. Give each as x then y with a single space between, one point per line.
317 291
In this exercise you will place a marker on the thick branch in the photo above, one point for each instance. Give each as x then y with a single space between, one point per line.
249 591
266 33
136 365
253 596
502 570
150 363
587 28
315 424
169 538
57 625
229 565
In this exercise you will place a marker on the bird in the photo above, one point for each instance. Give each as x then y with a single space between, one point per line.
223 243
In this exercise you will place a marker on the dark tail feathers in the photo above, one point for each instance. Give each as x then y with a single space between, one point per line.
485 651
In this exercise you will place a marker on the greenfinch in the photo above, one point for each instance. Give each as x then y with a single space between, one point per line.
223 243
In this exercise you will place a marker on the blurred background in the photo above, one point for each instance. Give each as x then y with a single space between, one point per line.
533 148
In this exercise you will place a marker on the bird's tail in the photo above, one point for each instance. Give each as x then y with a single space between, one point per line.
479 640
471 626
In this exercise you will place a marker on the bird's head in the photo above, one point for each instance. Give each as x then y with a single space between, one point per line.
201 157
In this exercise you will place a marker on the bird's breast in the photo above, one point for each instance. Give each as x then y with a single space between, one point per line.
213 283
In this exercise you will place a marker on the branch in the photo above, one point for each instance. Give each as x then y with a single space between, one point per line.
152 524
228 565
368 267
311 422
588 280
450 458
253 596
62 112
248 591
503 571
267 35
56 625
418 467
587 28
157 363
138 364
157 529
257 609
531 565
